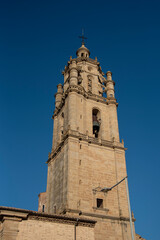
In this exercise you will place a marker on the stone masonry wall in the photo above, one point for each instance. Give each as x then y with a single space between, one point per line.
93 166
19 224
41 230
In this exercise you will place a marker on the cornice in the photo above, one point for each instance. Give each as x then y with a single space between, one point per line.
85 138
64 219
80 90
95 215
20 213
81 59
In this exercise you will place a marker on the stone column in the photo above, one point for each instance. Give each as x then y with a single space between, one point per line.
55 133
58 95
109 85
73 73
112 107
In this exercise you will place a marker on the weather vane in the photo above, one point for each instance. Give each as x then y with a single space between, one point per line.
83 37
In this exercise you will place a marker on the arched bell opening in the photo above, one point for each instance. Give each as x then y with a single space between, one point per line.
96 122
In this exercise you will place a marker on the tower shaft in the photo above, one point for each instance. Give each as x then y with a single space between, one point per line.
87 154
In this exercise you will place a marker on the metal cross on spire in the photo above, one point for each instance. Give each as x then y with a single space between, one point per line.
83 37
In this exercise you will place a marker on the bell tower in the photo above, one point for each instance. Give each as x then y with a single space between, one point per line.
87 154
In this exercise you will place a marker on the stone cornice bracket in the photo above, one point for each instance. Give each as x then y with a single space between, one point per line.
14 215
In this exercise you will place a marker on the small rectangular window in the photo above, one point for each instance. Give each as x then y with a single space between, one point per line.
99 203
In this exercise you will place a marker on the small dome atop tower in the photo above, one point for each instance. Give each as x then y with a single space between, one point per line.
83 51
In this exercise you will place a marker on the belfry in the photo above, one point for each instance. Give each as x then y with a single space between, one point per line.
87 191
87 154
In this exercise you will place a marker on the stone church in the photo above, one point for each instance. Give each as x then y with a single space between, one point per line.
86 196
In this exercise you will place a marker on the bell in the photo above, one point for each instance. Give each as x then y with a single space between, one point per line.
96 126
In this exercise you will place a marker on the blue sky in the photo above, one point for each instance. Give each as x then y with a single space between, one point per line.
36 40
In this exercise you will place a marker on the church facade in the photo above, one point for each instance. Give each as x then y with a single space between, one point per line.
86 160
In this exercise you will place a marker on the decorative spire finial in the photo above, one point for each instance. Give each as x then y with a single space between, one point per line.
83 37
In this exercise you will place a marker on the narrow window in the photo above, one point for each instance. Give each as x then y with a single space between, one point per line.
43 208
99 203
81 54
100 93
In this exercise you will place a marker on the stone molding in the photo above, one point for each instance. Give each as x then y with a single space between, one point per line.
72 68
101 209
110 80
81 59
90 140
12 213
80 90
89 73
65 220
110 89
18 215
95 215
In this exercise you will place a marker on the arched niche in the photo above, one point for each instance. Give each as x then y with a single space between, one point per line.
96 122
